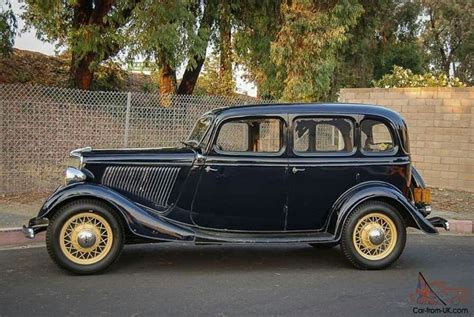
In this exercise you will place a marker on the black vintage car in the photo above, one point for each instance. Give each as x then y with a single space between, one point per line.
319 174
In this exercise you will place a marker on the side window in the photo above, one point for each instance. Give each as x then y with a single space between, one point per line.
323 135
257 135
376 137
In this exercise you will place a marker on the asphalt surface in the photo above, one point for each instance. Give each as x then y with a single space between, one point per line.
233 280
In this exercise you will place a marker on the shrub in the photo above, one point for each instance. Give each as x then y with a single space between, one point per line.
401 77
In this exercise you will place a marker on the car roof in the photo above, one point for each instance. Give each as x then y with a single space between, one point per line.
310 108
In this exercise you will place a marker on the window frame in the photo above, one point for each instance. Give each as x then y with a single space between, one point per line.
324 153
283 134
392 132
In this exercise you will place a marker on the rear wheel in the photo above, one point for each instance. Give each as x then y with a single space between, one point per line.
374 236
85 237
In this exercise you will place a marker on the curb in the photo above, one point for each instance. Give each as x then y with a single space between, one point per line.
15 237
461 226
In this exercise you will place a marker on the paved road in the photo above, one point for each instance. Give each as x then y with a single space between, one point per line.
235 280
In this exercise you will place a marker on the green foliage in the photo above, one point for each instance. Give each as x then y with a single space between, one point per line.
210 81
400 78
153 84
296 50
163 31
256 26
109 76
8 28
406 54
57 22
304 51
385 35
449 36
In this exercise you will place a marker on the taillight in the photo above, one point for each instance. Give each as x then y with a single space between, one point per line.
422 196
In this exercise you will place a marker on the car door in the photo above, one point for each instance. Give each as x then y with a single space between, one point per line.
242 183
321 168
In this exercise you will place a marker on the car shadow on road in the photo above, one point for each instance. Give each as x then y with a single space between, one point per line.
167 256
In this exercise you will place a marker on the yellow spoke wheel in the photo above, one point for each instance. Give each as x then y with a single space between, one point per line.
86 238
374 236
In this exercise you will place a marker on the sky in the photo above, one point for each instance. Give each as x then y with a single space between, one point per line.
28 41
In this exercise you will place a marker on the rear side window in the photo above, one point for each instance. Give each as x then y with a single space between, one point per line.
376 137
323 135
255 135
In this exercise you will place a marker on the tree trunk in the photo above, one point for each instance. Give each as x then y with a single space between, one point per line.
445 61
88 12
167 78
191 75
225 47
81 74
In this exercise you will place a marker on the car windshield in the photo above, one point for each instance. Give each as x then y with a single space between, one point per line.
199 131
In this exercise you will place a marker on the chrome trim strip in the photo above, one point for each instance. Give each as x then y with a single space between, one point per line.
305 164
147 162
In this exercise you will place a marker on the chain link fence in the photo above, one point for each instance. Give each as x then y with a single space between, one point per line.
39 126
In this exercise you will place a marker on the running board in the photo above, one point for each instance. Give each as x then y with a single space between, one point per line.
204 236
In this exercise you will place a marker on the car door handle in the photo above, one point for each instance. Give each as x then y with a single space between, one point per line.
296 170
210 169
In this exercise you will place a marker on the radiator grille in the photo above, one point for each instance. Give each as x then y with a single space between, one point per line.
151 183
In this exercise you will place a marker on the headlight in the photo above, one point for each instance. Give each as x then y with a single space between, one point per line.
73 175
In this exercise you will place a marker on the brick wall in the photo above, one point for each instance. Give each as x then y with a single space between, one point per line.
441 129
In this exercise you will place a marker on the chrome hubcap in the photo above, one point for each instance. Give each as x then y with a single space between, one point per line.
86 238
376 236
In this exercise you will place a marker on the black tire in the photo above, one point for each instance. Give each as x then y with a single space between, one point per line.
323 246
65 214
349 248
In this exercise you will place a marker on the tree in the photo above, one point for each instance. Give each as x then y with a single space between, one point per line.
449 36
256 25
210 81
304 51
167 34
198 50
385 35
92 30
8 27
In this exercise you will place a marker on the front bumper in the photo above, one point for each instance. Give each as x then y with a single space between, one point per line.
35 225
439 222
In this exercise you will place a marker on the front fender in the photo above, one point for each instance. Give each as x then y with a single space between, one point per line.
141 222
373 190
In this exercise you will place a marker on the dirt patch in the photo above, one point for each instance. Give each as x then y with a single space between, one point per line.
452 200
24 198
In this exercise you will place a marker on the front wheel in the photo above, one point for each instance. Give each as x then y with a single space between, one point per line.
85 236
373 236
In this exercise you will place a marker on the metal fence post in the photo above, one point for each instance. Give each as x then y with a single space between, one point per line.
127 120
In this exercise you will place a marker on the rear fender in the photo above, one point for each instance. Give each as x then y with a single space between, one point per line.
374 190
141 221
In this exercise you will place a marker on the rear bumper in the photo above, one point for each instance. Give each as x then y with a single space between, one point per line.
439 222
35 225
